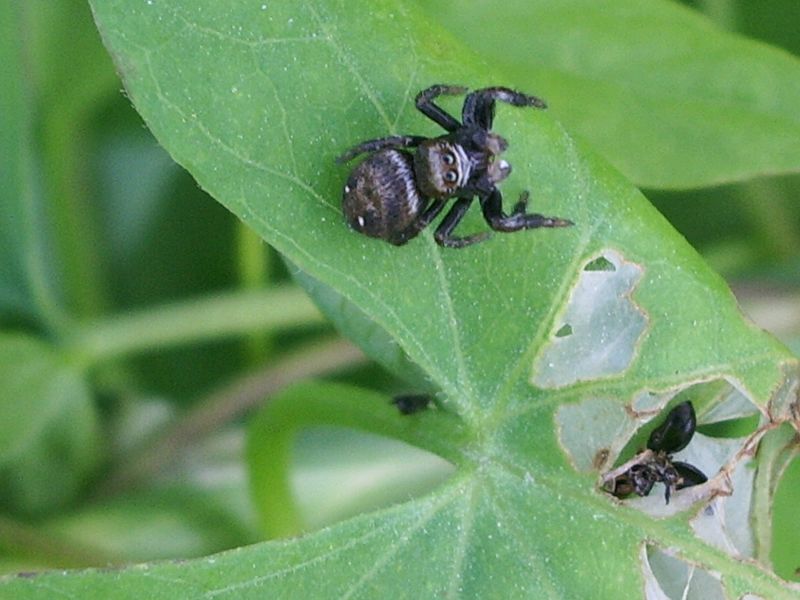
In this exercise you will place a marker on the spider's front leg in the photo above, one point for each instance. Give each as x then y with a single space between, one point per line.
444 233
479 105
492 206
391 142
427 107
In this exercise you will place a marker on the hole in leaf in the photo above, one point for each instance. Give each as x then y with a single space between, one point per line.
726 521
600 263
601 433
669 577
598 333
715 402
731 428
566 330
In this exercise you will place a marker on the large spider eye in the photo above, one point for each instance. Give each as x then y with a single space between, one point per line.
451 177
448 158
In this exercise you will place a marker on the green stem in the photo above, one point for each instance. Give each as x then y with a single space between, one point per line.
64 150
73 89
23 228
254 273
212 318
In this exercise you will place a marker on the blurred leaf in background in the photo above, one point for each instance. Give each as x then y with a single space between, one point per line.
127 297
143 320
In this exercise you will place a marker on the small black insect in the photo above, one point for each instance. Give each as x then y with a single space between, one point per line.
656 464
408 404
394 193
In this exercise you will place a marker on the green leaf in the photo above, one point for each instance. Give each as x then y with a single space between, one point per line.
271 442
179 522
668 98
778 491
48 428
256 99
337 473
353 323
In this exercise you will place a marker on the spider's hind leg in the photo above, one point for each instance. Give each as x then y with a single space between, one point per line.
428 215
393 141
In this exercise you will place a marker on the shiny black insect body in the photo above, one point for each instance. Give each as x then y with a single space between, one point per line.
408 404
407 180
673 435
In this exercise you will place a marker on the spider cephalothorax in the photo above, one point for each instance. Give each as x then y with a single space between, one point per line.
394 194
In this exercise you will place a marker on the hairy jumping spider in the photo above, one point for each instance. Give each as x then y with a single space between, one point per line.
656 465
394 193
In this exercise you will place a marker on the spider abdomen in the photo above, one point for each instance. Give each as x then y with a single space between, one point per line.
381 198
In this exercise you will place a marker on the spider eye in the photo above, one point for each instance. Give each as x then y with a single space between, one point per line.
451 177
448 158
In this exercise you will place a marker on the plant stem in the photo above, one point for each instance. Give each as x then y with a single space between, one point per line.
219 316
64 150
254 273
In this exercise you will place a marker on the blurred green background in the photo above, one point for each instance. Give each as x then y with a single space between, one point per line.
114 226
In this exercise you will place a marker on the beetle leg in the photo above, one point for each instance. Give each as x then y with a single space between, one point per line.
492 206
443 234
479 105
426 106
393 141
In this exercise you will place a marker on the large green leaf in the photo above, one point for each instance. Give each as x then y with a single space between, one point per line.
671 100
551 348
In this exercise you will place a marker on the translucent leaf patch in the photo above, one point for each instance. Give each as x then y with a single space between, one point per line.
669 578
724 522
600 329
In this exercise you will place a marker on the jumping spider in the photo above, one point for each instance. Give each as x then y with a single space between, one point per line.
394 194
656 465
